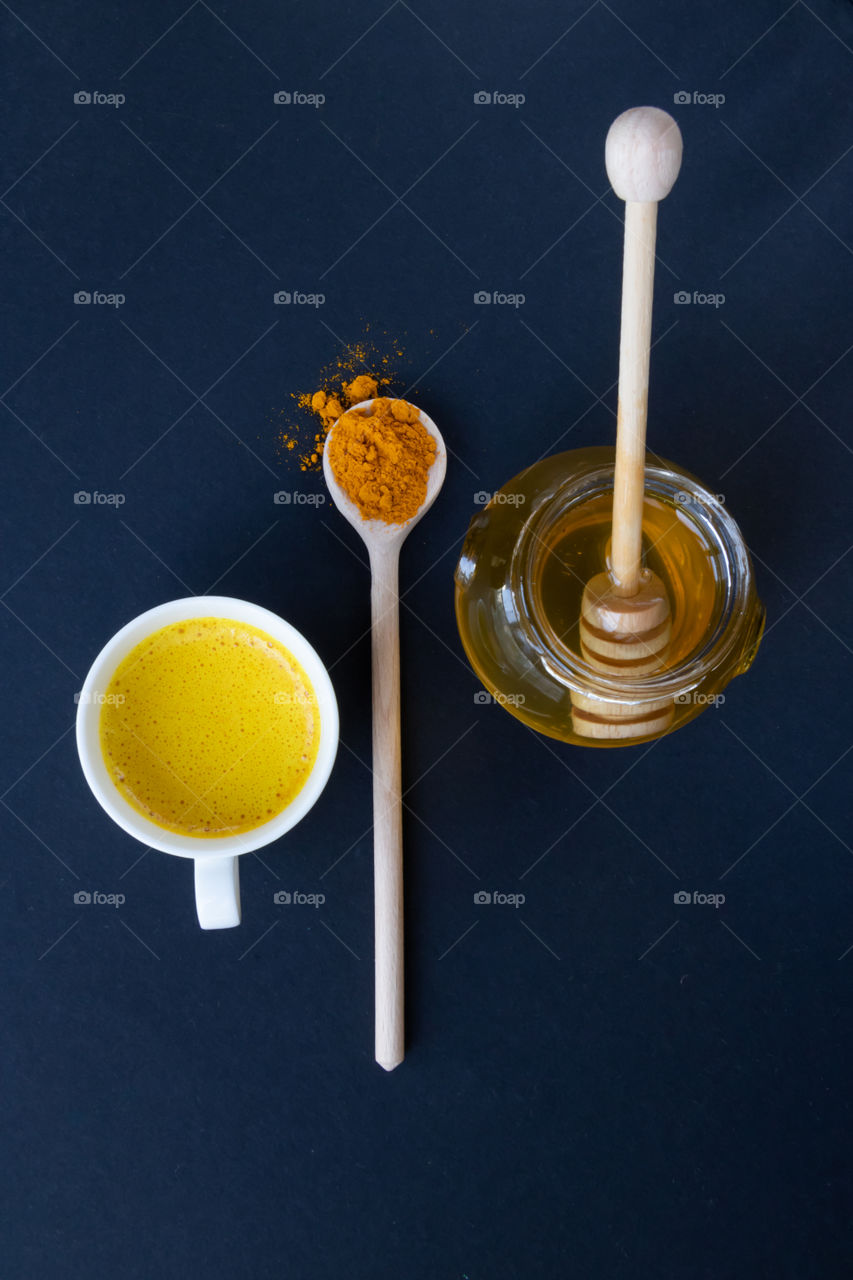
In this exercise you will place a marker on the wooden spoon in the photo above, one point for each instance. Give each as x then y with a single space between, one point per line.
383 542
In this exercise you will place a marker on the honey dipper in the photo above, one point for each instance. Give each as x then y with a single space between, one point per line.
625 620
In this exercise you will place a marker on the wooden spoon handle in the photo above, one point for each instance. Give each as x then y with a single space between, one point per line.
387 808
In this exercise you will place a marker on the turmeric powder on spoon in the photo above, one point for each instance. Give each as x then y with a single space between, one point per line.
381 457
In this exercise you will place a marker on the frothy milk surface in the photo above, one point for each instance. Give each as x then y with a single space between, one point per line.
210 727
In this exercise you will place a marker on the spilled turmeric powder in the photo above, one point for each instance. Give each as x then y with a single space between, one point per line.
329 408
381 459
340 386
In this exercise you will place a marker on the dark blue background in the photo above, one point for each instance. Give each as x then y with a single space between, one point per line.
598 1083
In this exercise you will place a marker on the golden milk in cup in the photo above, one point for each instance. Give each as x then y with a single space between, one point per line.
207 728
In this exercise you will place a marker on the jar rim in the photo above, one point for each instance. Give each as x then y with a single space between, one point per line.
733 572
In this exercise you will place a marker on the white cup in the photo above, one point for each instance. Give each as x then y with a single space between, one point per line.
217 876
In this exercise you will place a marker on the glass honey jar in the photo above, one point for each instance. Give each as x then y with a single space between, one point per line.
531 551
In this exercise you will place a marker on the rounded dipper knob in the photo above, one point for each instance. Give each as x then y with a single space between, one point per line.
642 154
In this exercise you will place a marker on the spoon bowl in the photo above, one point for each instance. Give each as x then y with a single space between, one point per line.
379 532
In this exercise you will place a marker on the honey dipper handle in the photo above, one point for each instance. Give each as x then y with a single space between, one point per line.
643 157
638 273
387 807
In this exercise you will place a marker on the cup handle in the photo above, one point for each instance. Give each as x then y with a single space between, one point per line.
217 892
